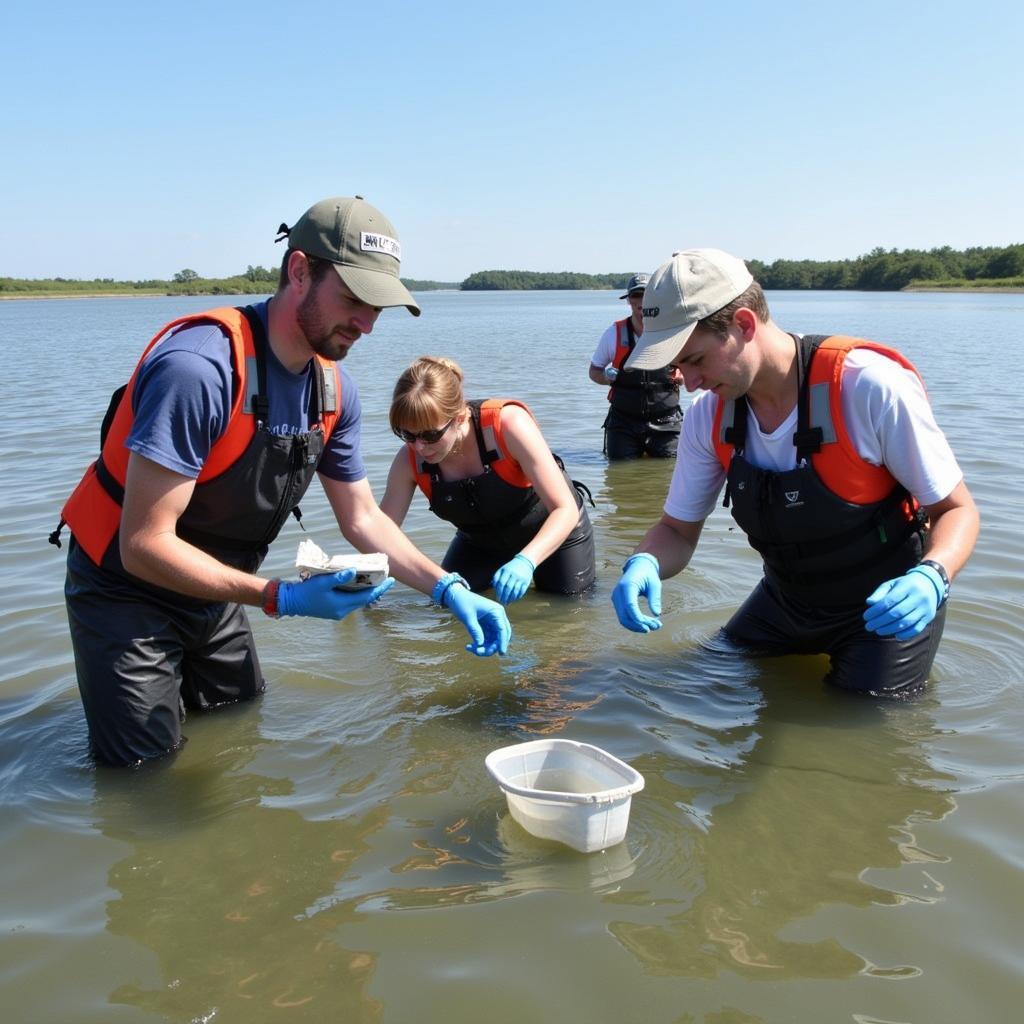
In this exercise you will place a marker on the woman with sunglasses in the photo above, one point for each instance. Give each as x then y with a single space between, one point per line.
485 467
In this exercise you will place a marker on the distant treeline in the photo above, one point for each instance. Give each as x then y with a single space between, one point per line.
895 269
428 286
529 280
255 281
878 270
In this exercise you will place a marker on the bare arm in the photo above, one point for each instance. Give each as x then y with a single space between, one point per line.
672 542
154 500
527 446
366 527
400 488
597 375
955 523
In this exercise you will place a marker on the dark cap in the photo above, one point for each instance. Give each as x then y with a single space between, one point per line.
361 243
637 283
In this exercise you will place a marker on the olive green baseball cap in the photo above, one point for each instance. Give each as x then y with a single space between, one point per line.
361 243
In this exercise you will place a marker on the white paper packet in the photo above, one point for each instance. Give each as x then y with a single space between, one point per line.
370 569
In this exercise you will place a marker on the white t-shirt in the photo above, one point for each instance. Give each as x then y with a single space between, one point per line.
605 351
888 419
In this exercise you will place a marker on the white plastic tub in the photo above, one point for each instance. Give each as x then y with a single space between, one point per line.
573 793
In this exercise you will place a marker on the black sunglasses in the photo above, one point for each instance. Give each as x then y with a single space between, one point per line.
426 436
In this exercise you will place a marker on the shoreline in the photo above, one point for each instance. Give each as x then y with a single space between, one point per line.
83 295
25 296
982 290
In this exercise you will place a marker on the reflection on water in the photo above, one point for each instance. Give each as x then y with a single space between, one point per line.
859 783
337 850
232 896
762 806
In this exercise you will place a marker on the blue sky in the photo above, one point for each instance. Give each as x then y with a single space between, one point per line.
140 139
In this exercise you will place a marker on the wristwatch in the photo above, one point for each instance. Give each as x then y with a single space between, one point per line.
943 575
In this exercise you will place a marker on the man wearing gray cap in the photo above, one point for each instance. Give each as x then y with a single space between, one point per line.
205 452
644 416
833 466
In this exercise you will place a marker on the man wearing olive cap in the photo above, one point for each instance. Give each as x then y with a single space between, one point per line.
644 415
833 466
206 451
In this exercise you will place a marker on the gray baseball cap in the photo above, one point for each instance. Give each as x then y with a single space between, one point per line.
637 283
361 243
693 284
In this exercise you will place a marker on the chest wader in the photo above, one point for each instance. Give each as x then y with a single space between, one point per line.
143 653
817 548
647 398
495 519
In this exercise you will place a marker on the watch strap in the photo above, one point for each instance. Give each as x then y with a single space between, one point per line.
940 570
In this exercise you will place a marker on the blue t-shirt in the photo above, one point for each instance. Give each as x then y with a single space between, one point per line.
182 403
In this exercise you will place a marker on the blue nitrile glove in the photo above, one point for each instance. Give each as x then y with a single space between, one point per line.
903 607
485 620
319 598
639 576
610 373
513 579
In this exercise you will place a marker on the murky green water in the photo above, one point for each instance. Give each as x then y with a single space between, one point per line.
337 851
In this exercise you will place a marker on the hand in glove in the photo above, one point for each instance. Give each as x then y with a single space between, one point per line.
319 597
903 607
639 577
513 579
485 620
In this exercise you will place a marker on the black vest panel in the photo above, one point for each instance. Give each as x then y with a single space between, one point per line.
489 511
643 394
817 547
235 516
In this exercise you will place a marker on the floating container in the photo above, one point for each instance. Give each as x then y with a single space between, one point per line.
573 793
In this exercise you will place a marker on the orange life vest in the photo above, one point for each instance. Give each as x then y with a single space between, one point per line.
93 511
837 463
642 394
495 451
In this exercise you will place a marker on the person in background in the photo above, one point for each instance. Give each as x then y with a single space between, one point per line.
644 415
833 466
208 448
485 467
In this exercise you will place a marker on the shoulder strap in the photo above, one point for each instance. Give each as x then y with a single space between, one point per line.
807 440
256 399
423 472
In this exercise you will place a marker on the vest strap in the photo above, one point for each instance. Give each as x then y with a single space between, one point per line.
259 403
108 482
808 439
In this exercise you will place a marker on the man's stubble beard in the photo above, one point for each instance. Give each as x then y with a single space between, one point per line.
314 328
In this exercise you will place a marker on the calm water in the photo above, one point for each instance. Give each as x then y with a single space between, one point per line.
337 852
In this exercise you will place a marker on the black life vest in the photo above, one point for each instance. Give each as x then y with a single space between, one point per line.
648 395
497 509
